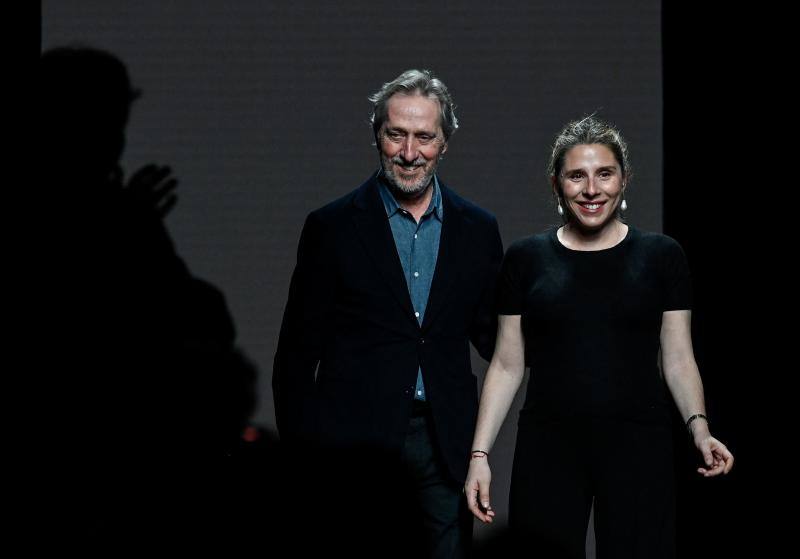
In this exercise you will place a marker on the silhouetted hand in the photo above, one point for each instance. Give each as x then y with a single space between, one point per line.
151 188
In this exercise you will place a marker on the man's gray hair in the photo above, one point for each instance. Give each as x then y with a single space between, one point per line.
411 82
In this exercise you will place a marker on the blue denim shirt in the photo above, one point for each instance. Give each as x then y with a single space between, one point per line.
418 247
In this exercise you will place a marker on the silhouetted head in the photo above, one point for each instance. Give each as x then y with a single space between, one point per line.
85 97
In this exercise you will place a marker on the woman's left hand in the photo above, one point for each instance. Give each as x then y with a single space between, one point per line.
718 459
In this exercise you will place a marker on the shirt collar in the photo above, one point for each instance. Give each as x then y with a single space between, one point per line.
392 207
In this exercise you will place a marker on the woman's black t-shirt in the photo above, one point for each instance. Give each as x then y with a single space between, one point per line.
592 321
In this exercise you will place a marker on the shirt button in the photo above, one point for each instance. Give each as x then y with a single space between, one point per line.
415 235
416 274
422 340
416 314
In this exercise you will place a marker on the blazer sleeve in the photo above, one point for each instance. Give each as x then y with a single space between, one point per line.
302 337
484 325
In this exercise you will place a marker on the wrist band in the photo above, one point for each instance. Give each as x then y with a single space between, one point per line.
481 453
695 416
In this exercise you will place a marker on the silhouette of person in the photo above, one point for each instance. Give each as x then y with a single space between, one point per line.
149 376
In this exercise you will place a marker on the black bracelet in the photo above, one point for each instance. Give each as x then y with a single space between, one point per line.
692 418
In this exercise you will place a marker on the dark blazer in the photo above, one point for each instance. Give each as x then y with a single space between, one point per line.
346 365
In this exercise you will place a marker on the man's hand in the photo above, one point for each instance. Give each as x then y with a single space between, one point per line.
151 189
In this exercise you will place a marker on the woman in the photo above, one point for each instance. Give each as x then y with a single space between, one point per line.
588 307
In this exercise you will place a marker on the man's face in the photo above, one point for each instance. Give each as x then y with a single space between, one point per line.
410 142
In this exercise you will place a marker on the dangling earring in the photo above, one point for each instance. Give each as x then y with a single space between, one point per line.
624 205
560 209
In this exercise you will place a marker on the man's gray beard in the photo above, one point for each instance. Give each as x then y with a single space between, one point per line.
409 191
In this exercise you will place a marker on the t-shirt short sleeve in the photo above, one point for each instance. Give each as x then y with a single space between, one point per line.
677 278
509 298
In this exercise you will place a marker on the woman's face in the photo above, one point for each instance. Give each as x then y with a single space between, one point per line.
592 185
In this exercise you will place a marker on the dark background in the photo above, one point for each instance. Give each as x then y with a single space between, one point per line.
725 114
261 110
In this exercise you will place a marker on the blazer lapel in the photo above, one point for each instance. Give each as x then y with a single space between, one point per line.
375 233
452 250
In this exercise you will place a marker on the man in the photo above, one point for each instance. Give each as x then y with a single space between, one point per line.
373 367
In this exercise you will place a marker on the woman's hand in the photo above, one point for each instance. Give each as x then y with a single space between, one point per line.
476 488
718 459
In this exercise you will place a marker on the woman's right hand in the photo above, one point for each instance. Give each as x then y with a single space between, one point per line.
476 488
